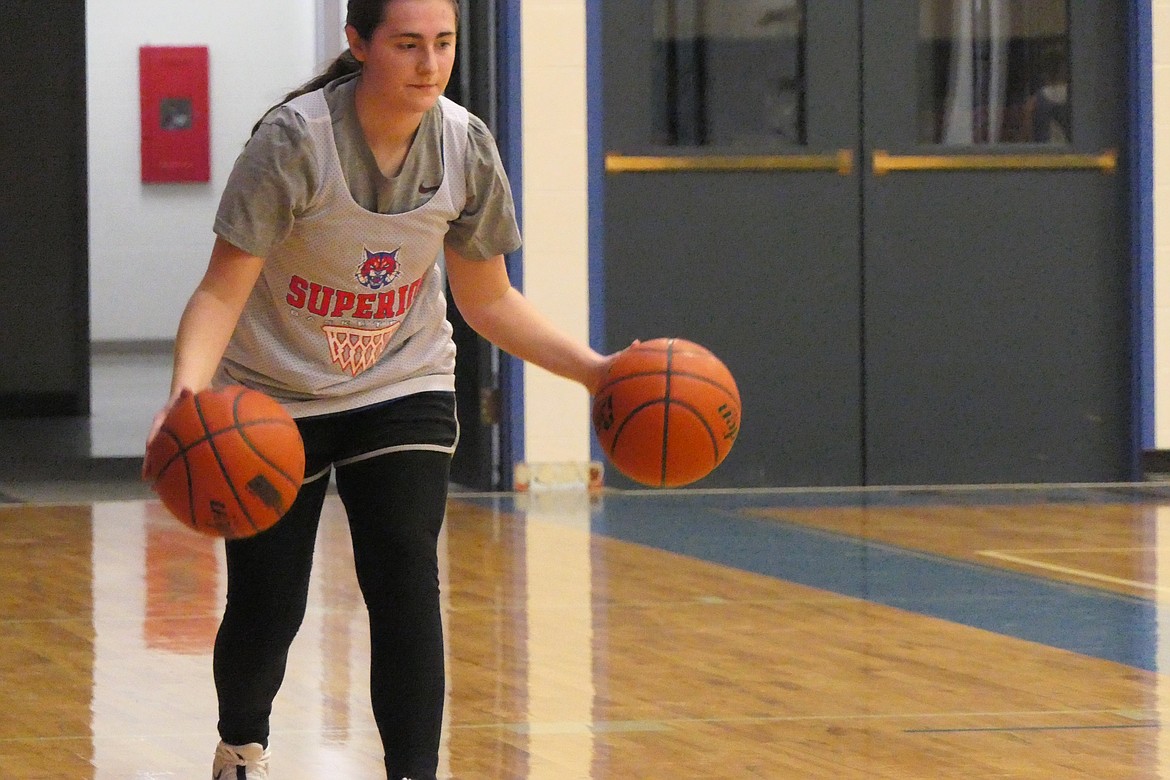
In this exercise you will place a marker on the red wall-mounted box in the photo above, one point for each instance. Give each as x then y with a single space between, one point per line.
176 127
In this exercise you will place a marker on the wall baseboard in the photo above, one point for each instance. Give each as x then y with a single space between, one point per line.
1156 464
558 476
132 347
42 405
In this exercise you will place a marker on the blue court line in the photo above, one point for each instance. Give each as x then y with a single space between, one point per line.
1096 623
710 527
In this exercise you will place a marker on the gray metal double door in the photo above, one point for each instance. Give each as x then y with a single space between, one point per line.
896 310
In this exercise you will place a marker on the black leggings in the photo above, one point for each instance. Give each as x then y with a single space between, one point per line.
395 503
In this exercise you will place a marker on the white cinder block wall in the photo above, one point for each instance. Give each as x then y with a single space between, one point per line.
555 203
149 244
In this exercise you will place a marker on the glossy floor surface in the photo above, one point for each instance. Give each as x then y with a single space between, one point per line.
911 634
993 633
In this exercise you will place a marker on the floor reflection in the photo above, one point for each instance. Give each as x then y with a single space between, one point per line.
629 635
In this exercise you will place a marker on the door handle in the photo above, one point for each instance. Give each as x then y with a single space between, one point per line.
884 162
840 161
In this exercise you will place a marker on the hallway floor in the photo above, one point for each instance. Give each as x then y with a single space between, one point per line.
81 459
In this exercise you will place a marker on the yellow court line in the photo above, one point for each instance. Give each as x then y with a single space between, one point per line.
1063 550
1135 715
1088 575
616 725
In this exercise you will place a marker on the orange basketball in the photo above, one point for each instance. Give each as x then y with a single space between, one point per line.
227 462
667 413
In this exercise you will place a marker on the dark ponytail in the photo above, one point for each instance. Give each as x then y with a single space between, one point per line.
363 16
345 64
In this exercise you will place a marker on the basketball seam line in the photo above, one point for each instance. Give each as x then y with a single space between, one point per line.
214 451
688 374
666 412
184 449
612 449
190 490
702 421
240 428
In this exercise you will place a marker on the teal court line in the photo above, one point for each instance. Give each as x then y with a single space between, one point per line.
711 526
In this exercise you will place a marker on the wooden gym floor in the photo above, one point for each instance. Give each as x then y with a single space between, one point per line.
962 633
910 634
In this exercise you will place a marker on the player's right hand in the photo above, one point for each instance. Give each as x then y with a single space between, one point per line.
149 467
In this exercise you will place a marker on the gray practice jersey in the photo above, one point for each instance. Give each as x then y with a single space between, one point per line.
350 305
277 173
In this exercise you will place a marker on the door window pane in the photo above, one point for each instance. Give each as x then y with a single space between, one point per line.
728 72
994 72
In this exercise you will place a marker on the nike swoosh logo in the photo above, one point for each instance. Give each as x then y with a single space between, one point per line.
424 190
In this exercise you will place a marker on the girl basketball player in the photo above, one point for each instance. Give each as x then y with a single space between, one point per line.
323 291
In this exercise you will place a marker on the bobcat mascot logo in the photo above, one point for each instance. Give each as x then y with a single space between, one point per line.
379 269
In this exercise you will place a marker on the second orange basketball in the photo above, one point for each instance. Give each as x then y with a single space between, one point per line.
227 462
667 413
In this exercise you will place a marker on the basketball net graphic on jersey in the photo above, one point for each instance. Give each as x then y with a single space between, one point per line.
352 347
356 349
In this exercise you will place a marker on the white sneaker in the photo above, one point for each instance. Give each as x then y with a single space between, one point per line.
240 762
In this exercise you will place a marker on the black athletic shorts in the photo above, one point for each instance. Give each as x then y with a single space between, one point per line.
422 421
